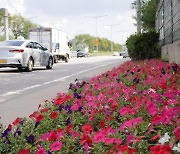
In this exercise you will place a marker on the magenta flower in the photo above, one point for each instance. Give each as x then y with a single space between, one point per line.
99 137
124 111
131 123
152 108
56 146
108 140
40 151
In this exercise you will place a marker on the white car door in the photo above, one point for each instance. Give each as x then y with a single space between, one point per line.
44 56
36 54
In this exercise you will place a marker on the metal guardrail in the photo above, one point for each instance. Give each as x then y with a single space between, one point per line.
168 21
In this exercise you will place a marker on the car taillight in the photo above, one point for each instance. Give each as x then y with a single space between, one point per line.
17 50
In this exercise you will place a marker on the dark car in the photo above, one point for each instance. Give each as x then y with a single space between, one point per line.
81 53
124 54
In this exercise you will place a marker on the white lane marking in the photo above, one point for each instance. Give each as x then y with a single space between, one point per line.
45 83
19 91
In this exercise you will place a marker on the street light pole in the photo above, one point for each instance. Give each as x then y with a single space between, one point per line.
111 36
138 8
6 27
96 17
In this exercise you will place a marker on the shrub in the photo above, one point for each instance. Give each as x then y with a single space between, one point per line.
143 46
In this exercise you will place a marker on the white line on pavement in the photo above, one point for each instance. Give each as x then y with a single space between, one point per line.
45 83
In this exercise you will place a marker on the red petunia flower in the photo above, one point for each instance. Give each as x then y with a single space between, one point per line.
17 121
24 151
87 128
44 110
52 136
155 138
86 139
114 106
122 149
34 115
69 128
39 118
101 124
160 149
54 115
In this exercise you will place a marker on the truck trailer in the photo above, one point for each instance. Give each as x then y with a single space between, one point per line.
53 39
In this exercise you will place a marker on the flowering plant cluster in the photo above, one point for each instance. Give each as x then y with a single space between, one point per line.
131 109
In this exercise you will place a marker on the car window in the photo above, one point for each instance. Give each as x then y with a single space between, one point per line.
11 43
30 45
38 46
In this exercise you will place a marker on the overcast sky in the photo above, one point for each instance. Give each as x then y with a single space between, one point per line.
76 16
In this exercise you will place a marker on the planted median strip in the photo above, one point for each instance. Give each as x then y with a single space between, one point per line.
131 109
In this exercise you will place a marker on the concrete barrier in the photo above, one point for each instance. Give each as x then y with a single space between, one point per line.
171 53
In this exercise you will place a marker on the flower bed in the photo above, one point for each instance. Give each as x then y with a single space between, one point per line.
131 109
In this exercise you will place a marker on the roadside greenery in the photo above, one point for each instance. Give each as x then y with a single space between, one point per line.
143 46
18 26
85 40
102 53
148 13
148 17
133 108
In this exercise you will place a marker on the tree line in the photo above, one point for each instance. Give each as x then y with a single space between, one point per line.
18 26
82 41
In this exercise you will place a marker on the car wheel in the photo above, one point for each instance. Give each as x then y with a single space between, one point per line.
66 58
30 65
55 59
50 63
20 69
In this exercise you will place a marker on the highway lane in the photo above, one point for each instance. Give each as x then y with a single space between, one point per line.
22 92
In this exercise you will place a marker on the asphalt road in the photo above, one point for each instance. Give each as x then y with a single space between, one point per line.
22 92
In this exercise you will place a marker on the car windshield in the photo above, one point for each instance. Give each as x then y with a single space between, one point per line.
11 43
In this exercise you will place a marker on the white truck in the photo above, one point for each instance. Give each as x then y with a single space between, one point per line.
53 39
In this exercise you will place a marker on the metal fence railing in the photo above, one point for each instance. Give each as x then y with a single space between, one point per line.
168 21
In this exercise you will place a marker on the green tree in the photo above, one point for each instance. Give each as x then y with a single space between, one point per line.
1 26
1 18
85 40
148 13
148 16
20 26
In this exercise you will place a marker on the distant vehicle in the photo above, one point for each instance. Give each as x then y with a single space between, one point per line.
116 53
124 54
53 39
24 54
82 53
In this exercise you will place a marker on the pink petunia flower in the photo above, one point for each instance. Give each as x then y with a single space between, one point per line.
152 108
99 137
131 123
108 141
177 132
124 111
56 146
41 151
76 106
75 134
